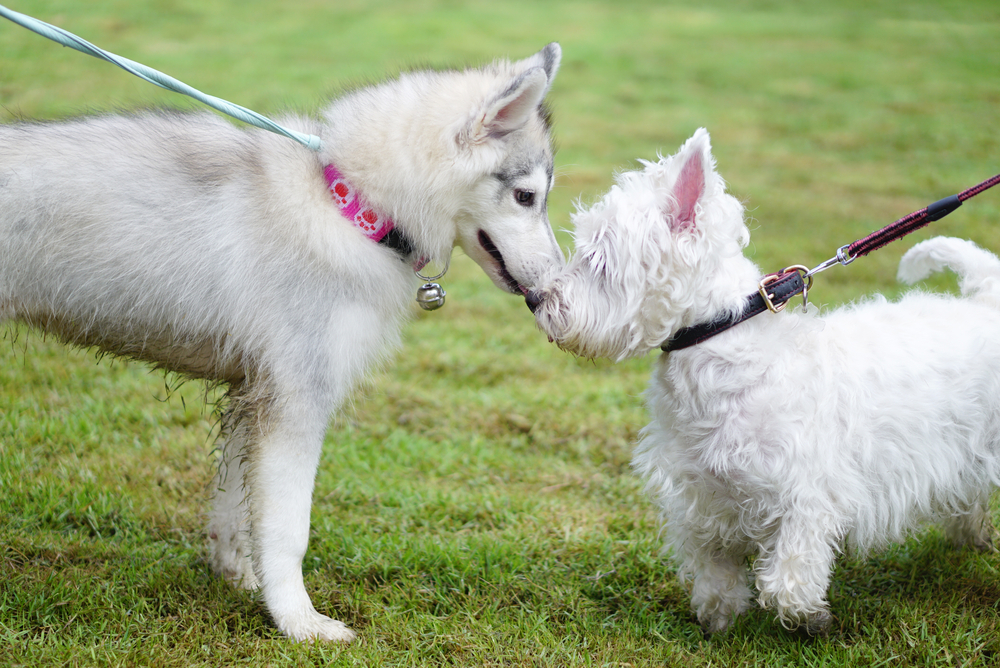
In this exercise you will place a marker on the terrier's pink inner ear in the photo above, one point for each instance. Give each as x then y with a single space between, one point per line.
688 190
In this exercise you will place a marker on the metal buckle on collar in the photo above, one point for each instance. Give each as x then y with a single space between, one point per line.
772 278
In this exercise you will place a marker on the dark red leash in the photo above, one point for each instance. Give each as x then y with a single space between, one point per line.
916 220
776 289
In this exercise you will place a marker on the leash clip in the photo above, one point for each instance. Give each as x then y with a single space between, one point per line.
842 257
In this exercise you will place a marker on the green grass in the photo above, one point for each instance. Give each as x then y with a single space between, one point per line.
475 506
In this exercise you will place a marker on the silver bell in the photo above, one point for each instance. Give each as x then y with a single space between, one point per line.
430 296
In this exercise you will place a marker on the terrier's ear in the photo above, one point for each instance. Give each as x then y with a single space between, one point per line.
689 188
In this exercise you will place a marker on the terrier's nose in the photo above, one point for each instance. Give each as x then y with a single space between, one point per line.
533 299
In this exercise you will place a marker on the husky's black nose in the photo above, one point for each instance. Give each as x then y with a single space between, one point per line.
533 299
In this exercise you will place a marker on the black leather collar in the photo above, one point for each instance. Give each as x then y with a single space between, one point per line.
780 288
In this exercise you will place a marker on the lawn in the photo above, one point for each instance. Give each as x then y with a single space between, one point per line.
475 504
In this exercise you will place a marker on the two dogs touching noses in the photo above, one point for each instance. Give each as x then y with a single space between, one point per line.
217 253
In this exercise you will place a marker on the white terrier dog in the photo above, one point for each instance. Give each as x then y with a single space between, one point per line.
790 434
245 259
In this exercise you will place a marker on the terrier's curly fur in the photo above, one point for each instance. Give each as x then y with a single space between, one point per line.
790 434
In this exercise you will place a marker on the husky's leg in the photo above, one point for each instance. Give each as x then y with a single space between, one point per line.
282 471
229 520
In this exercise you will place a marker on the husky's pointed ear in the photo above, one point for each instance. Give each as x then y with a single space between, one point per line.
512 108
548 59
696 162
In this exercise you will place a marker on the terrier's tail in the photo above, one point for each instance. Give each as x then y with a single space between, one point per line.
978 270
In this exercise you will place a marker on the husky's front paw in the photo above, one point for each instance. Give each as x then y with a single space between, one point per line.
312 626
230 558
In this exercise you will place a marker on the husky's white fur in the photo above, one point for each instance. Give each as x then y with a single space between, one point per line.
790 434
218 253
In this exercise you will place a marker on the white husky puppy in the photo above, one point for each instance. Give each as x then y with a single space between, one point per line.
243 258
788 434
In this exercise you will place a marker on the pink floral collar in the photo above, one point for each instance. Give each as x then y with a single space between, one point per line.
375 225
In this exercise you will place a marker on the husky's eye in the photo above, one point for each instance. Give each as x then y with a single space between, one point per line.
524 197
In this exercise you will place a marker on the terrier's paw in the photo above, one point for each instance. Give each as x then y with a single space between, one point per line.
816 623
312 626
819 623
715 625
719 619
974 529
983 543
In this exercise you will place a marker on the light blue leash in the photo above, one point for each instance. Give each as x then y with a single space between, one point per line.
159 78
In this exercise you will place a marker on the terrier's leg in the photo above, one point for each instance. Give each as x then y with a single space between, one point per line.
719 592
973 528
793 572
